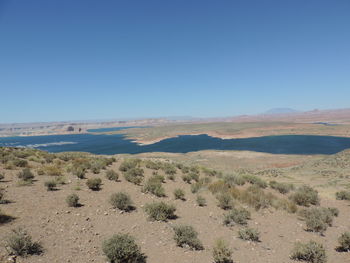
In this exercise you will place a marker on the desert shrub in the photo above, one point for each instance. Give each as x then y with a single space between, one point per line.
112 175
317 219
196 187
40 171
72 200
233 180
201 201
128 164
237 216
160 211
121 201
179 194
50 185
20 243
171 177
52 170
187 178
218 187
122 248
305 196
134 175
26 175
79 172
210 172
153 165
310 252
154 185
284 204
344 242
186 236
249 234
2 176
283 188
221 252
225 201
256 197
2 194
169 168
4 218
334 211
94 183
194 176
255 181
343 195
20 162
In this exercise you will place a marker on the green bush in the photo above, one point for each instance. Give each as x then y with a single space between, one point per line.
134 175
112 175
72 200
221 252
169 169
237 216
310 252
122 248
20 162
79 172
153 165
317 219
186 236
255 181
26 175
50 185
344 242
225 201
186 178
233 180
343 195
179 194
201 201
305 196
160 211
154 186
94 183
20 243
128 164
121 201
283 188
249 234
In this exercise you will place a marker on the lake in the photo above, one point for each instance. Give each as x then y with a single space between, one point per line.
117 143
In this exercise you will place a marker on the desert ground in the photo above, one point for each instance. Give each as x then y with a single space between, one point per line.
76 234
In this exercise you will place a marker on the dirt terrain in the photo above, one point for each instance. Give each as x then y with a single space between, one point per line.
75 234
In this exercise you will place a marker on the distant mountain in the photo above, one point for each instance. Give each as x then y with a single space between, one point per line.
281 111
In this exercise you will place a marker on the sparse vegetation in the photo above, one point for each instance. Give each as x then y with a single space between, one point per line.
179 194
121 201
186 236
4 218
305 196
221 252
94 183
112 175
344 242
26 175
201 200
160 211
154 185
237 216
2 176
283 188
50 185
310 252
249 234
343 195
225 201
72 200
317 219
134 175
20 243
122 248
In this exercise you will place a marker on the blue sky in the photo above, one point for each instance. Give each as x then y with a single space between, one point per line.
75 60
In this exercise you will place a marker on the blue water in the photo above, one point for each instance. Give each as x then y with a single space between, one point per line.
114 144
113 129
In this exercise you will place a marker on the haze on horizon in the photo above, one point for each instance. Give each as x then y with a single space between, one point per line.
81 60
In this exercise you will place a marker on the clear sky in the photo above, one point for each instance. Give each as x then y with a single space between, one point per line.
102 59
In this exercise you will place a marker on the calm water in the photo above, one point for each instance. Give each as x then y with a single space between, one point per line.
114 144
